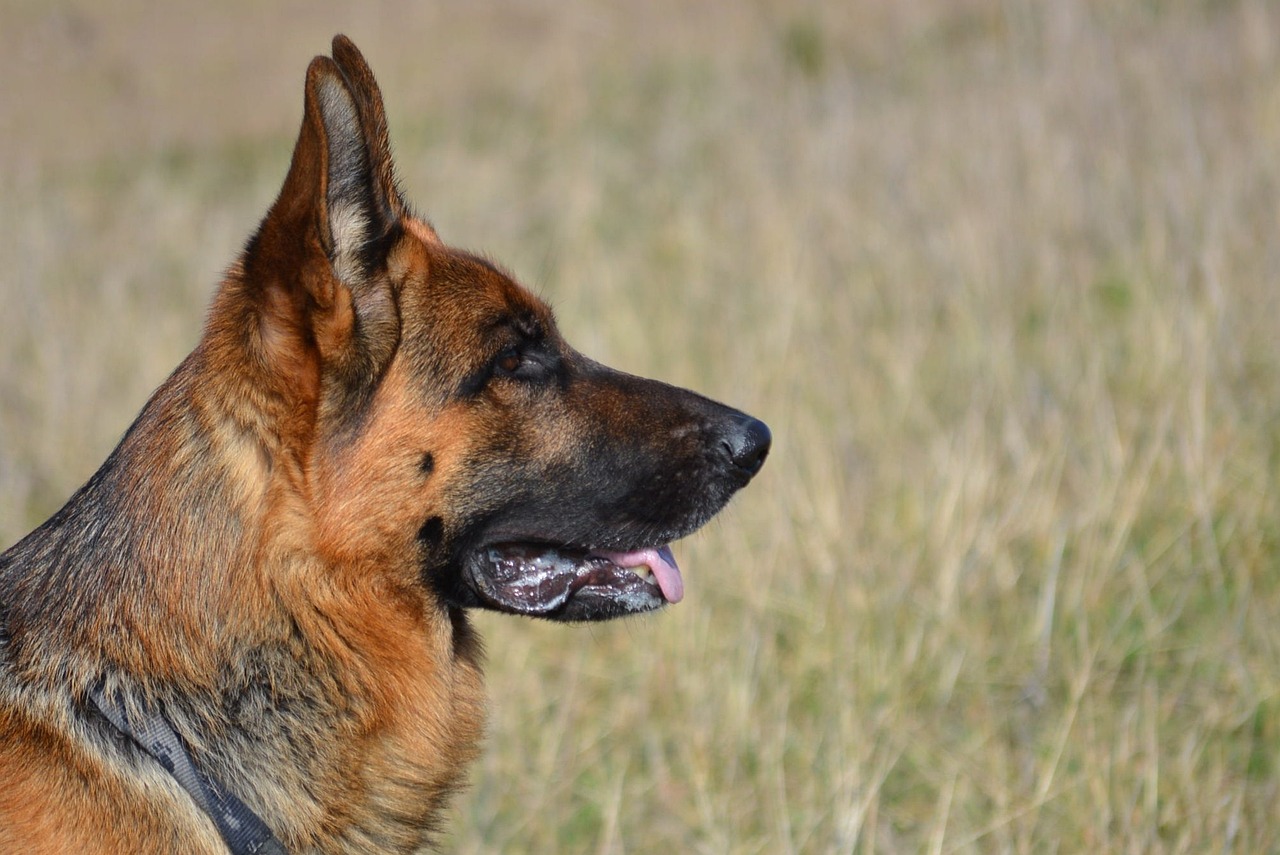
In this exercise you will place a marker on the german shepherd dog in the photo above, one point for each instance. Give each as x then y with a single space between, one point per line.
248 631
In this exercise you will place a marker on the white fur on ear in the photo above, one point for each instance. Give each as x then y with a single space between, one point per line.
349 226
348 194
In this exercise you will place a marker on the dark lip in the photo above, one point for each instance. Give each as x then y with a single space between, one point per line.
557 582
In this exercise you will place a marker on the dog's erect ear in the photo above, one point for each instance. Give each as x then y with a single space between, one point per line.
318 260
373 118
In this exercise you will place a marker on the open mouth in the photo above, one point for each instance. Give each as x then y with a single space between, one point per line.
565 583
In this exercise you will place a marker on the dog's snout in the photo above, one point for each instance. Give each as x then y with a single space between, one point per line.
747 443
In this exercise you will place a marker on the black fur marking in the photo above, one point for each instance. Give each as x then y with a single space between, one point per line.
431 533
428 463
466 642
374 251
473 384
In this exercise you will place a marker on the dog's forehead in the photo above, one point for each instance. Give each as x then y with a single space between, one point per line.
475 288
464 311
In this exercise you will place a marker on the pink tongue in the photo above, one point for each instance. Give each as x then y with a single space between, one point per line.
661 562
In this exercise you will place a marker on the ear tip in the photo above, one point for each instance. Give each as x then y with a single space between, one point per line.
346 53
319 66
322 70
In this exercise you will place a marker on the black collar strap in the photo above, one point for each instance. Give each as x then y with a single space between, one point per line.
243 830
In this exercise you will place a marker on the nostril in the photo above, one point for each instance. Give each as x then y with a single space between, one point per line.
748 445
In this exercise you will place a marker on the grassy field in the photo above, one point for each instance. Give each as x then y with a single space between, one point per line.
1004 278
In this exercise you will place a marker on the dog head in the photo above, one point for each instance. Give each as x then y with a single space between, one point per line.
428 414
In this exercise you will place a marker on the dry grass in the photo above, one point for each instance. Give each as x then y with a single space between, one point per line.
1001 275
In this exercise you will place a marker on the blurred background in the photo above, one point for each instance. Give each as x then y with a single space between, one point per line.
1003 276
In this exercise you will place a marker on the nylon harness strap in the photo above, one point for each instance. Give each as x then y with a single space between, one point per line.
242 830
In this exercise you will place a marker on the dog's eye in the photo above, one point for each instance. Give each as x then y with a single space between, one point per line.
509 361
524 365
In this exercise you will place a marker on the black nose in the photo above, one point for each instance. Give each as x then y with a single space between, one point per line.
747 442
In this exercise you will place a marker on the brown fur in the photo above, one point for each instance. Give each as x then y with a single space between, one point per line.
276 554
